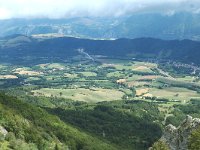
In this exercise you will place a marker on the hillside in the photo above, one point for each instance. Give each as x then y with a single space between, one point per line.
25 126
124 123
19 46
106 125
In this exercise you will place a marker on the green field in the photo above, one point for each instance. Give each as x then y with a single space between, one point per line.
70 75
175 93
80 94
88 74
115 74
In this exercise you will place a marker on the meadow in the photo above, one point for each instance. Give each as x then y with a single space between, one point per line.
86 95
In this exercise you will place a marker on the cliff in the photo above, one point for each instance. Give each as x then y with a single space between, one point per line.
177 138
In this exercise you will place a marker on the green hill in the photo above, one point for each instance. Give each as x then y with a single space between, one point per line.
107 125
32 128
21 49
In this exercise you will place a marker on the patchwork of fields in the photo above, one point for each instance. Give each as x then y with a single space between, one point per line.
103 80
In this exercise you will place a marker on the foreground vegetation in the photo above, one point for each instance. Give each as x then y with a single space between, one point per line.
131 125
105 125
30 127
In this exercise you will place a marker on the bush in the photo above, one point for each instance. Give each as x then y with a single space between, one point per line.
160 146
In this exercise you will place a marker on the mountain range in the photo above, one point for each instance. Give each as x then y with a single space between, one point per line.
175 26
18 46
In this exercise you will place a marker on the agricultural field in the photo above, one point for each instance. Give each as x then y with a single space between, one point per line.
101 80
87 95
175 93
88 74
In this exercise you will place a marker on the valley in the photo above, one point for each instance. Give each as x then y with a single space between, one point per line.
99 75
104 80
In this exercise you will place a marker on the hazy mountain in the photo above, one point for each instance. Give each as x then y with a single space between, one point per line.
78 27
177 26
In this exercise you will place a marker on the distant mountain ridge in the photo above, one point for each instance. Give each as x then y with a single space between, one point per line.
148 48
177 26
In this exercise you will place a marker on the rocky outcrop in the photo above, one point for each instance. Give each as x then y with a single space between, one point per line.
177 138
3 133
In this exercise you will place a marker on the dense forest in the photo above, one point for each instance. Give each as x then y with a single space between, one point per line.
18 46
81 126
107 125
30 127
124 123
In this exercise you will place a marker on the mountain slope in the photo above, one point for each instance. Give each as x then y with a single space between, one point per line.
177 26
124 123
181 25
22 46
30 127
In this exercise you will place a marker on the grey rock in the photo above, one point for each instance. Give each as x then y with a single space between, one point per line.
177 138
3 133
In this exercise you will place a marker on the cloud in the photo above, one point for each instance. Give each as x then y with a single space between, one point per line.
4 13
96 8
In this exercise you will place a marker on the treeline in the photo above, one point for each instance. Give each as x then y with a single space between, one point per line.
184 84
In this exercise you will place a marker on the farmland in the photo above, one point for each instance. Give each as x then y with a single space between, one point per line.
101 80
87 95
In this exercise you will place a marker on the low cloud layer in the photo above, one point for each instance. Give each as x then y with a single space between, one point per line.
94 8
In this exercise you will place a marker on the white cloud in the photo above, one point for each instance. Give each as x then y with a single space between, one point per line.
4 13
77 8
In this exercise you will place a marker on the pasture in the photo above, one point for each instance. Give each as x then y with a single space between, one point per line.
81 94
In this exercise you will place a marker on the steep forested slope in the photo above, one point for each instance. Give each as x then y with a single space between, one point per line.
30 127
107 125
22 46
124 123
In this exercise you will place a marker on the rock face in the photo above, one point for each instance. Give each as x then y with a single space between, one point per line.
3 133
177 138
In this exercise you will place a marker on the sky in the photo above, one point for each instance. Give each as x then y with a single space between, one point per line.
91 8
